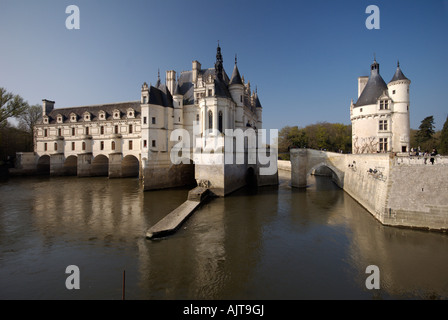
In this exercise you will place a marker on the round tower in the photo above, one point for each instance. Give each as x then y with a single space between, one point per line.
398 89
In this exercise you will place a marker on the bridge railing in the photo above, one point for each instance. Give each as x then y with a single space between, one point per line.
421 160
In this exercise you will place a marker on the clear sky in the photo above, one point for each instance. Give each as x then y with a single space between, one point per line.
303 56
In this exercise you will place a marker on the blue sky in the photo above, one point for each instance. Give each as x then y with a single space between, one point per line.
303 56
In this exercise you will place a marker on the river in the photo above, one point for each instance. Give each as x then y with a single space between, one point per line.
271 243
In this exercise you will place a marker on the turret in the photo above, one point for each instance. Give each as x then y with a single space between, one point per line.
398 89
236 86
178 107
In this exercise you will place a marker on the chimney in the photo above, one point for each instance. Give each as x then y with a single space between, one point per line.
196 68
362 81
47 106
171 80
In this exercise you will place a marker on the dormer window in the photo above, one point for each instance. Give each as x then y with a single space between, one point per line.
116 114
86 116
45 119
59 118
384 105
130 113
102 115
73 117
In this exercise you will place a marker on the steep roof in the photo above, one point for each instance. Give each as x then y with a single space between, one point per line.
94 111
398 74
374 88
236 78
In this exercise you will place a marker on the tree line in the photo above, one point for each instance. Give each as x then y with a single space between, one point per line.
19 137
425 139
337 137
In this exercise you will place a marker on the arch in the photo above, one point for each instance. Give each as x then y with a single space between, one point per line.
210 119
251 178
130 166
43 165
71 166
100 166
334 173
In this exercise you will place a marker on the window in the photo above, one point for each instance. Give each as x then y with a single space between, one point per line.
383 125
45 146
112 145
102 130
116 129
130 144
393 91
59 132
153 120
197 117
209 93
241 98
404 149
383 144
87 130
102 145
360 110
144 120
45 132
144 100
384 104
220 121
83 146
73 131
55 146
210 120
153 143
130 128
73 146
145 143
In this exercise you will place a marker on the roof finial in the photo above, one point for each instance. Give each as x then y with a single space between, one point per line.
235 59
374 57
398 63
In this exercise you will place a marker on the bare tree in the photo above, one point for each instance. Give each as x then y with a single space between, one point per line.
29 118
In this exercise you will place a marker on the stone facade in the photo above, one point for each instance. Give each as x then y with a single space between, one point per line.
380 117
401 191
136 138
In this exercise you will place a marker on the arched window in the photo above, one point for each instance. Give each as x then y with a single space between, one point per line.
113 145
220 121
83 146
210 120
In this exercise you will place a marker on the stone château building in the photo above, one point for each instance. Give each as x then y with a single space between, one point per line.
134 138
380 117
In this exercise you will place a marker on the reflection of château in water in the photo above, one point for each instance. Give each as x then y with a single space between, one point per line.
134 138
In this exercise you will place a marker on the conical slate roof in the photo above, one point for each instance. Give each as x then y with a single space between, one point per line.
236 78
398 74
374 88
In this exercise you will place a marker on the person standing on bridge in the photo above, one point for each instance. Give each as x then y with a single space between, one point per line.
433 154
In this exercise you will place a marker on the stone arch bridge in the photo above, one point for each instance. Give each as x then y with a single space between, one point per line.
306 161
398 190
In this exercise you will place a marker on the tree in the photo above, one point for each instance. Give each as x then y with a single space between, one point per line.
28 119
10 106
443 147
426 130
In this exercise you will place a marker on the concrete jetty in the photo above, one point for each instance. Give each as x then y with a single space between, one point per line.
170 223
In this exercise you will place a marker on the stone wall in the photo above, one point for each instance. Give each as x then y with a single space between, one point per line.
397 190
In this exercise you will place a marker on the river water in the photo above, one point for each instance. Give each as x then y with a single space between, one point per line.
271 243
